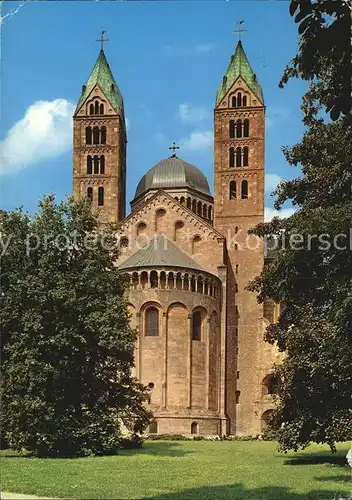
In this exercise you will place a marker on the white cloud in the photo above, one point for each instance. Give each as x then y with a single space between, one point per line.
269 213
271 181
192 114
182 51
10 14
44 132
128 124
198 141
203 48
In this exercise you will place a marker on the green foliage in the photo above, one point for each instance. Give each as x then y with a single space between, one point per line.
134 442
270 433
67 348
182 437
169 437
311 275
324 58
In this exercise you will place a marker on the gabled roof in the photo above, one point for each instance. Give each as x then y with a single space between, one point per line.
102 75
239 66
188 211
160 252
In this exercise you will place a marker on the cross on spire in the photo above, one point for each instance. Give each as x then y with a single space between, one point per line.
173 148
239 29
102 40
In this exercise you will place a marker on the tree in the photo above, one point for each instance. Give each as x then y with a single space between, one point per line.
324 56
67 347
311 275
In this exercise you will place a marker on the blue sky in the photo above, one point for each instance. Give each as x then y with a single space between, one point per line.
168 59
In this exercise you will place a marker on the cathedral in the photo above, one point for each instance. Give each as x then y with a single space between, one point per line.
187 256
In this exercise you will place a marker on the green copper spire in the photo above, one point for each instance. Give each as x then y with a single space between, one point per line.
102 75
239 66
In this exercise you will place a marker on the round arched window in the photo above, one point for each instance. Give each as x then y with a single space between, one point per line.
152 322
194 428
196 325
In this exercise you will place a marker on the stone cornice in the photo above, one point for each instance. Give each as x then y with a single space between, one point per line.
98 149
96 180
239 142
242 174
94 120
239 113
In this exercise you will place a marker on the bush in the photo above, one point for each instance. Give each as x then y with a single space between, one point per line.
131 443
180 437
244 438
168 437
270 434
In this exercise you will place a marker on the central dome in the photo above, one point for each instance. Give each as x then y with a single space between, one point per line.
173 173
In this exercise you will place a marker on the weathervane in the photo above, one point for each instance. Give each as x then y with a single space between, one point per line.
239 29
102 40
173 148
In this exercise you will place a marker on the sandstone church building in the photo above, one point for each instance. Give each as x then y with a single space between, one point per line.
188 257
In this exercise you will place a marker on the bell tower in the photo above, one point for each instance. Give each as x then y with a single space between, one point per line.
99 143
239 206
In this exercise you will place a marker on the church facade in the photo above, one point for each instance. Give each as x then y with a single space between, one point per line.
188 257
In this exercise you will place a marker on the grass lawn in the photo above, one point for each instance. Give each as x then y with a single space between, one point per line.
175 470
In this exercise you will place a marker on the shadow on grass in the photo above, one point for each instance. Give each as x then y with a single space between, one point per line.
238 492
347 478
337 459
163 448
170 449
